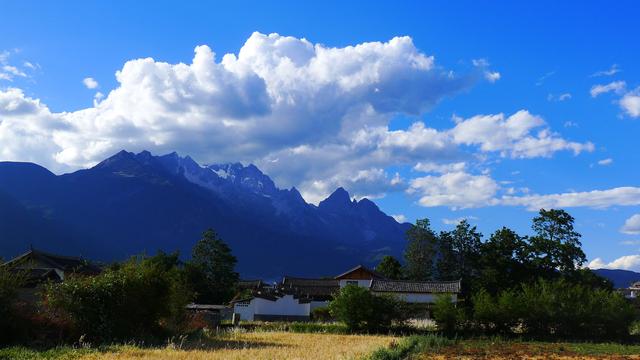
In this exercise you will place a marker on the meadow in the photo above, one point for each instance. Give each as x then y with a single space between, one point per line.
240 344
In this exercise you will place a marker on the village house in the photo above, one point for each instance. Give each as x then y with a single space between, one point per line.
40 267
296 298
633 291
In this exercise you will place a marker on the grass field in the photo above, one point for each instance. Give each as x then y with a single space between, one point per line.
242 345
287 345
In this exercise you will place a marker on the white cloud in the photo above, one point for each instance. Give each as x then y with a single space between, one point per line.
457 190
512 136
322 111
400 218
560 98
90 83
8 71
433 167
630 103
599 199
492 76
628 262
456 221
605 162
615 86
614 69
632 225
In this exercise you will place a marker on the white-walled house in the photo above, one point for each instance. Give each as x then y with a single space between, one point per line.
295 298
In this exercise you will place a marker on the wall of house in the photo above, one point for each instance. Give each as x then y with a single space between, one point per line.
418 298
285 306
245 309
361 282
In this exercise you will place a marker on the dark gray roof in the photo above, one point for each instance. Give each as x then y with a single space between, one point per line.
374 274
415 286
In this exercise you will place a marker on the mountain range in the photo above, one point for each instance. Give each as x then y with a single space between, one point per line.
139 203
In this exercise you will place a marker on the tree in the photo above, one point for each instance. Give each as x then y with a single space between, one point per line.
390 268
212 270
504 261
421 251
556 245
447 316
10 282
361 310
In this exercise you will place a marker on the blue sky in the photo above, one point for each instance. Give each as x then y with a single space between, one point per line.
349 119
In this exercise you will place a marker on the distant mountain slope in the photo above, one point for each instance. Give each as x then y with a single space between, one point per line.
134 203
619 278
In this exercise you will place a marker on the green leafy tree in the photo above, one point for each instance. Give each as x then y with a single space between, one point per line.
556 245
504 262
447 316
421 251
143 299
10 282
361 310
211 270
390 268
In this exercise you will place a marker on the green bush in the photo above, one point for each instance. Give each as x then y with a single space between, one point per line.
10 282
556 308
361 310
447 316
141 299
321 314
411 345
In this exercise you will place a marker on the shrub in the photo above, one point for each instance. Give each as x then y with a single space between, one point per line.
10 282
556 308
447 316
361 310
139 300
411 345
321 314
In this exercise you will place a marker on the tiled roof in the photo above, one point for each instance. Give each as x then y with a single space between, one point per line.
316 288
415 286
250 284
65 263
374 274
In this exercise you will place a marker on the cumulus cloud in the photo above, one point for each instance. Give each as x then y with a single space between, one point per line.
323 112
492 76
400 218
433 167
628 262
90 83
599 199
615 86
513 136
630 103
632 225
458 190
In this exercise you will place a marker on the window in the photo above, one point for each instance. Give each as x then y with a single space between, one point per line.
352 282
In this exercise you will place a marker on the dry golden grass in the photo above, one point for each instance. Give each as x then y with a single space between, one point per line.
262 345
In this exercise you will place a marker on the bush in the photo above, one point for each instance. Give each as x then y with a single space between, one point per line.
10 282
321 314
361 310
447 316
141 299
556 308
411 345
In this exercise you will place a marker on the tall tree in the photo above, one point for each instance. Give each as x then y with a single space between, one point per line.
390 267
504 259
421 251
556 245
212 269
447 263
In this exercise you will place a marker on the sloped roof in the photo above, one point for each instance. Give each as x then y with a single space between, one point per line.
374 274
65 263
315 288
427 287
250 284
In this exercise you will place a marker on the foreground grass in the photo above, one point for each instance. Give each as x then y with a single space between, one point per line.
260 345
240 344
